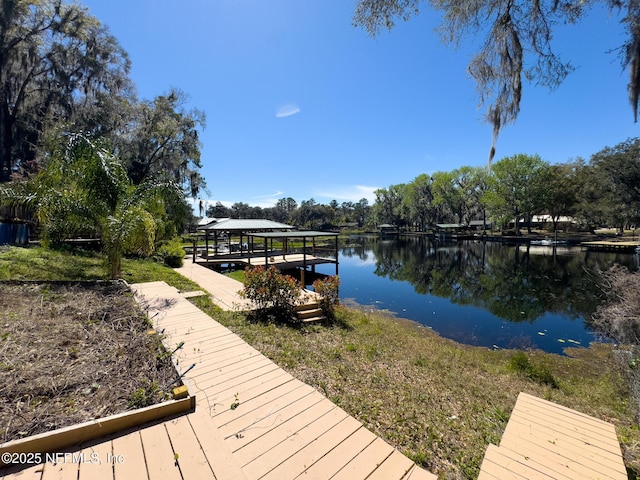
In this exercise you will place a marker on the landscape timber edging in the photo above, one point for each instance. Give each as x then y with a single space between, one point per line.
62 438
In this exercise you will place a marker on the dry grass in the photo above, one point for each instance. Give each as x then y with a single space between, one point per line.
74 352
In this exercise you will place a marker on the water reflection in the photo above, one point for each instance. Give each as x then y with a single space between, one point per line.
481 293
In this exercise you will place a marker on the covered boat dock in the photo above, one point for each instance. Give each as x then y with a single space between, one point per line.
263 242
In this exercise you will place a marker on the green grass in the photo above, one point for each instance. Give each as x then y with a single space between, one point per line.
236 275
65 264
441 403
37 263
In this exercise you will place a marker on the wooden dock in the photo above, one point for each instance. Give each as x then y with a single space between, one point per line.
222 289
283 262
224 292
611 246
252 421
544 440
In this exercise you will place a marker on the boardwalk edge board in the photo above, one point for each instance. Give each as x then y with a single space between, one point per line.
66 437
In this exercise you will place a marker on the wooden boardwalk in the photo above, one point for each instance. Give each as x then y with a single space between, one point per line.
252 421
222 289
544 440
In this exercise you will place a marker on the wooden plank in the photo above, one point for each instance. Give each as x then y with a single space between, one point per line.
270 450
223 359
211 339
560 434
65 469
191 459
249 427
96 464
417 473
258 406
311 453
340 455
236 348
94 429
22 472
493 467
580 466
581 449
525 465
218 387
395 466
220 458
366 461
133 464
528 403
267 383
219 374
161 464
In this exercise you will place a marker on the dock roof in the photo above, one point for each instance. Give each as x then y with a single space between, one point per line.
245 225
295 234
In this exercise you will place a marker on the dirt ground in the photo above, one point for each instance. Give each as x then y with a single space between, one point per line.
73 352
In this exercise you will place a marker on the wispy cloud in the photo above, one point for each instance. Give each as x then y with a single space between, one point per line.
287 110
266 201
351 193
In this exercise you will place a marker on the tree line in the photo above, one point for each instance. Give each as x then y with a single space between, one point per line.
604 191
308 213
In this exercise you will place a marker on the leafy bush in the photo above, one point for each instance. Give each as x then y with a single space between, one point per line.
172 253
328 289
274 295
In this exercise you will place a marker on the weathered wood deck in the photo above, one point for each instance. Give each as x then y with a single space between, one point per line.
252 421
544 440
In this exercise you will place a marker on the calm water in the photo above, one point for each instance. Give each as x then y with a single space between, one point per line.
478 293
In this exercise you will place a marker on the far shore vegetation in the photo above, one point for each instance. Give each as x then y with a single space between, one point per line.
439 402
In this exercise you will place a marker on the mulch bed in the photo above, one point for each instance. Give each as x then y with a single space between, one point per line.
73 352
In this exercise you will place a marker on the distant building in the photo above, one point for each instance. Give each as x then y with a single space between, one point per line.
479 225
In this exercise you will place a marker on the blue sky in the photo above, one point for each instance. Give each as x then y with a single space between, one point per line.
302 104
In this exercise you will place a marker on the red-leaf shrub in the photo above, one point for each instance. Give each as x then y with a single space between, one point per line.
328 289
274 295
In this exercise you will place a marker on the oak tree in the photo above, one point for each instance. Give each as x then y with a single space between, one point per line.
54 57
516 43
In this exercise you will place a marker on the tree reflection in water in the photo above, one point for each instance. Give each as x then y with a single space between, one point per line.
481 293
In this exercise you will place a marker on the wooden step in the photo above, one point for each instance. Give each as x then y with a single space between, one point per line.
307 306
312 312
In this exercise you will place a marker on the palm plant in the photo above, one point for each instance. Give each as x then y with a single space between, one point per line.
85 189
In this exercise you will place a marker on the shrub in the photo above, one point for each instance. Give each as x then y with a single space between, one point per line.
328 289
538 373
172 253
274 295
619 318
